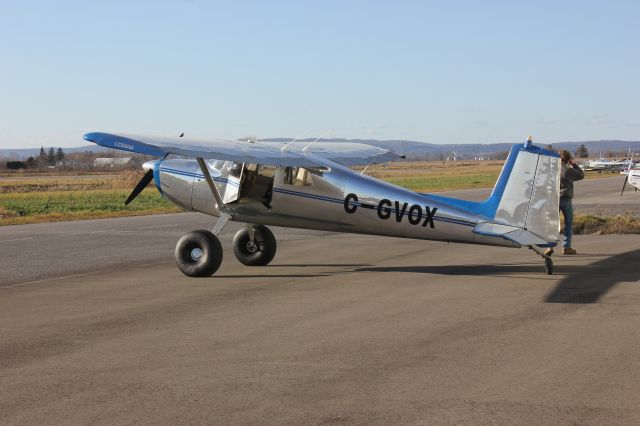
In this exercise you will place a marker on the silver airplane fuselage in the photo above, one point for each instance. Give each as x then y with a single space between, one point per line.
335 198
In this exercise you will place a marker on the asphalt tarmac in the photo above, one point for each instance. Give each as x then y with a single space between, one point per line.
97 325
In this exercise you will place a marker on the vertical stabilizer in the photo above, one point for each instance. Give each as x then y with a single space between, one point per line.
527 194
524 206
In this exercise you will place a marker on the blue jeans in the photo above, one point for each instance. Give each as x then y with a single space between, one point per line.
567 211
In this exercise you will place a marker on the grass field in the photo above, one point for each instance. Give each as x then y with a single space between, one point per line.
38 198
33 207
585 224
434 176
47 198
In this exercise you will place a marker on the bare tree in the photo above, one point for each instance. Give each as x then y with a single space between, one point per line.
582 152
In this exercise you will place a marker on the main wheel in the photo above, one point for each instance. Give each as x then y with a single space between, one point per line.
199 254
257 252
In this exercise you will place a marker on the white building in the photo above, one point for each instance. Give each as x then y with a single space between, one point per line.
105 162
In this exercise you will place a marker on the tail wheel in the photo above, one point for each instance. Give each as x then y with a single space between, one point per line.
548 265
198 254
257 252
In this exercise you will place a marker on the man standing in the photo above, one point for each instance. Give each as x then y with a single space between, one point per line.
569 173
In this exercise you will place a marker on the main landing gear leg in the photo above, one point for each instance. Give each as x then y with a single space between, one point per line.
221 222
199 253
548 263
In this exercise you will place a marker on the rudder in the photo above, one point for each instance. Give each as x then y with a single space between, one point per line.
527 194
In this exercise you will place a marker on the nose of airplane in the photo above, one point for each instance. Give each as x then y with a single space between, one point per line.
149 165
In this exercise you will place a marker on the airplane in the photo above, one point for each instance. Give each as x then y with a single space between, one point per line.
632 177
603 164
312 186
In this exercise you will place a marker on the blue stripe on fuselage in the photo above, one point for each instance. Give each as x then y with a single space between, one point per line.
312 196
196 175
358 204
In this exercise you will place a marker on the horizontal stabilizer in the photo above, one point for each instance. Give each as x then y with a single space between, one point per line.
512 233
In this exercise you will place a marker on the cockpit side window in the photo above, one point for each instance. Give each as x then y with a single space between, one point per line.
235 169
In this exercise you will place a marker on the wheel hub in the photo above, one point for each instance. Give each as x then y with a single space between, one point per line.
252 247
196 254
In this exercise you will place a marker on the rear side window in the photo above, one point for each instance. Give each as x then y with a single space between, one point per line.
297 176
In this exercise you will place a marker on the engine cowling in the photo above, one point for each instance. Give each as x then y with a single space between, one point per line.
174 179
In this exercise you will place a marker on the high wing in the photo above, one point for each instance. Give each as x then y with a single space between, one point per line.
242 152
307 155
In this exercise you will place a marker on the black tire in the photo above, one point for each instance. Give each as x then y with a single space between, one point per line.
548 265
206 245
259 253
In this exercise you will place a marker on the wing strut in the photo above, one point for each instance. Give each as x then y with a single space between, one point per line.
225 215
214 189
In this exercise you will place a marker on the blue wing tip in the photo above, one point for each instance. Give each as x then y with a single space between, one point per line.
91 137
124 143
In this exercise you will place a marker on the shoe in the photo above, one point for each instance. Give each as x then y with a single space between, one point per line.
549 251
569 250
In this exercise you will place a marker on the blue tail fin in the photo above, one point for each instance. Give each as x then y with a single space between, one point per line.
526 194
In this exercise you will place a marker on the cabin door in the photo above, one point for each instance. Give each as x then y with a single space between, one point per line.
232 175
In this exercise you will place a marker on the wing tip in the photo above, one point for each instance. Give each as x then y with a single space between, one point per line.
93 137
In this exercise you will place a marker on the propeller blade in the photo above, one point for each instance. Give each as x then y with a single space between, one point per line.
626 178
148 177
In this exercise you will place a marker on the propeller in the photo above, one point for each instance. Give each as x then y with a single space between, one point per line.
148 177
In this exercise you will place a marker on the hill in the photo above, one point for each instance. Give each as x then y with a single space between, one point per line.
413 149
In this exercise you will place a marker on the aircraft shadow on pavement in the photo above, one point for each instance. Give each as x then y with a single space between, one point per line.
582 283
308 265
263 276
588 283
498 269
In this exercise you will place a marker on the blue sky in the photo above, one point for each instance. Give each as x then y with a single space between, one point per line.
441 72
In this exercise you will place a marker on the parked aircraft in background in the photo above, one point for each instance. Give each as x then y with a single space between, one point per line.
632 177
604 164
311 186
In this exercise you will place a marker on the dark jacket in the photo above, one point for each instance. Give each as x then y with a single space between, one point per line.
568 175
